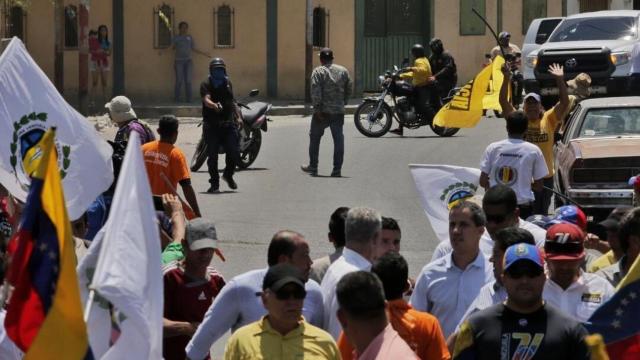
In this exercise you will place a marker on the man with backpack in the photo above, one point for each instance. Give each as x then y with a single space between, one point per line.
121 113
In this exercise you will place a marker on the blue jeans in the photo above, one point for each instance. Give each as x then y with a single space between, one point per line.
184 71
226 135
335 123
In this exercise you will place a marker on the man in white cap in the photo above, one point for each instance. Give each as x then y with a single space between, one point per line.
121 113
190 285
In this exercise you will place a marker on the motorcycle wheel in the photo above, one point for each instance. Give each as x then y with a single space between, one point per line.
383 119
200 156
249 155
444 131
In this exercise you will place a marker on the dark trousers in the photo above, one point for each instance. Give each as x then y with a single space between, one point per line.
227 136
334 122
543 198
526 210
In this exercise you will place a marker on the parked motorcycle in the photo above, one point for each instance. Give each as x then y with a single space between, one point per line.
374 117
254 117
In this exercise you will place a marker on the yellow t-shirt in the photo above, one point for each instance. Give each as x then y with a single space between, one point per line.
602 262
420 72
541 132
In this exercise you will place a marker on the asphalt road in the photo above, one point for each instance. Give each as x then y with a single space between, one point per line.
274 194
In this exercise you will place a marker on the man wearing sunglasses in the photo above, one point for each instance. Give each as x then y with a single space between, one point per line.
524 326
575 292
283 332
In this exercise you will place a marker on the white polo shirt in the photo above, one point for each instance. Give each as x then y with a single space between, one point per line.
446 291
515 163
349 262
581 298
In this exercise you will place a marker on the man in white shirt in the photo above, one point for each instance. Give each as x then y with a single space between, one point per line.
362 233
575 292
446 287
239 303
500 206
515 163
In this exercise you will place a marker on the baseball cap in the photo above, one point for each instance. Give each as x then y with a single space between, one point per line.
612 222
533 96
280 275
571 214
635 181
521 252
326 53
201 234
120 109
564 242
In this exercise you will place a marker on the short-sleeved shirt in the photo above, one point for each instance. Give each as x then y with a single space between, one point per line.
259 340
164 158
183 46
186 300
514 163
581 299
501 333
222 95
541 132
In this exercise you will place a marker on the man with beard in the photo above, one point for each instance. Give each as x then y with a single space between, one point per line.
524 326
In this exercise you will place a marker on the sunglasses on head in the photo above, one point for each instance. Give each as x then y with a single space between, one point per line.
529 270
286 294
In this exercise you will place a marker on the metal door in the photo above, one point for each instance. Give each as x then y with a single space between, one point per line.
386 30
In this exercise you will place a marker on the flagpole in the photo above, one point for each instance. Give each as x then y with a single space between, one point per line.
87 308
490 29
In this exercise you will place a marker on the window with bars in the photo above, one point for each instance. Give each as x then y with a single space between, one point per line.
532 9
16 22
320 27
70 27
223 27
163 26
470 23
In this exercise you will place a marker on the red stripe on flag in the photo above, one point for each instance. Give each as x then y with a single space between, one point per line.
627 349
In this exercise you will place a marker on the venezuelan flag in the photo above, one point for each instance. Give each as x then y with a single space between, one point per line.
617 319
44 317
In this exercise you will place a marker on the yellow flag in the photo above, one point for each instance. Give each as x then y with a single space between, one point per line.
465 109
492 97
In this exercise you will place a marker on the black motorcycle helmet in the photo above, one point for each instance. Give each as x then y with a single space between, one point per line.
417 51
503 38
217 62
436 46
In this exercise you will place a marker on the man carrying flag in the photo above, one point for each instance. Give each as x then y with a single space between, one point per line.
46 298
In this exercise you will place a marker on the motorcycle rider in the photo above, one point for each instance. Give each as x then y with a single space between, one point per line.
444 70
421 79
221 121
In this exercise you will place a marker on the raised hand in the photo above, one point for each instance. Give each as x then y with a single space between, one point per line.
556 70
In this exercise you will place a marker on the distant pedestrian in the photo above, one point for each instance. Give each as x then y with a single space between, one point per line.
524 326
420 330
183 45
100 50
121 113
330 92
190 286
167 166
336 237
282 333
363 317
515 163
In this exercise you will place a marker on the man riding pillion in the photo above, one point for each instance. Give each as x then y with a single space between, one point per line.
421 77
444 70
221 121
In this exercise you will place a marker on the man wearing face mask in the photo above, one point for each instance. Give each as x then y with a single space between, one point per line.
444 69
221 120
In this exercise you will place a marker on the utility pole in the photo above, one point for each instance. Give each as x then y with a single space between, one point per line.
308 54
83 57
58 56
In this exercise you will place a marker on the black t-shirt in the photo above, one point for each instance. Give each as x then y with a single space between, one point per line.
224 96
501 333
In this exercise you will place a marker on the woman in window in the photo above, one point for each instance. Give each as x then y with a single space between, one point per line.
100 49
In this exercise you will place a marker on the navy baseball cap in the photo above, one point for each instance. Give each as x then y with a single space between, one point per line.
522 252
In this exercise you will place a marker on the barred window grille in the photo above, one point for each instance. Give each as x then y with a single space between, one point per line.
224 27
70 27
163 26
320 27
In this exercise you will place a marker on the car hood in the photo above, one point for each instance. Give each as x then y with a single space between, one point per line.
574 45
607 147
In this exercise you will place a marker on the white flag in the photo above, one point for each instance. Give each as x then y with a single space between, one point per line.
129 269
439 187
29 105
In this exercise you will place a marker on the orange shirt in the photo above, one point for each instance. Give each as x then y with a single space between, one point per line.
164 158
420 330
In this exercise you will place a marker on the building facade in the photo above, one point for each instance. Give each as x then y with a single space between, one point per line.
263 41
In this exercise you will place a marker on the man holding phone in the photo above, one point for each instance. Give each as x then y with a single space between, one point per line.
167 166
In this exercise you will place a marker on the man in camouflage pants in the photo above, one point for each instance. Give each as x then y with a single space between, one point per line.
330 91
